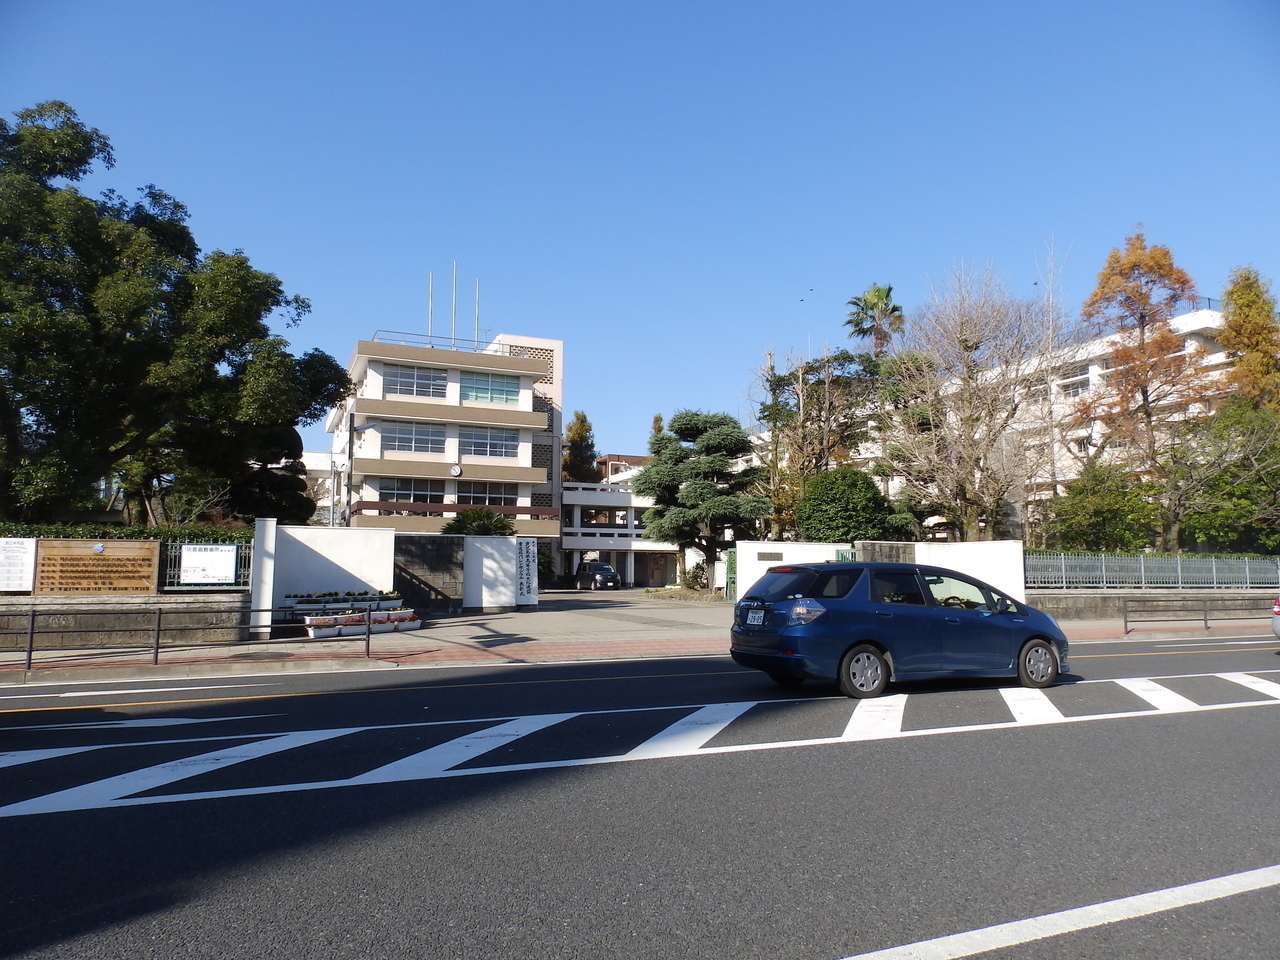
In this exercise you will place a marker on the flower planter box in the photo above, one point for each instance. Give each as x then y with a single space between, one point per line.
398 615
351 629
381 627
322 633
407 624
320 620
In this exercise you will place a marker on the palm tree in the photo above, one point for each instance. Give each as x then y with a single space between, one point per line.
479 522
875 315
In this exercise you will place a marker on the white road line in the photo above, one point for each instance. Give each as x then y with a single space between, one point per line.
1081 918
877 718
1162 698
1030 705
34 756
688 735
1220 643
435 760
141 722
132 691
1270 688
102 793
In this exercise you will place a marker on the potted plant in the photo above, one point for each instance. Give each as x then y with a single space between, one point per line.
413 624
381 625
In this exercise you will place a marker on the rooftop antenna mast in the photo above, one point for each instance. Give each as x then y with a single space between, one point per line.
453 310
477 311
430 293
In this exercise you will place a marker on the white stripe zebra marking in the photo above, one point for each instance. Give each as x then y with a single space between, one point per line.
876 719
1030 706
688 735
881 719
1162 698
1268 687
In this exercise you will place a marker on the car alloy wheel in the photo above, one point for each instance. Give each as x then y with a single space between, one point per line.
1037 666
864 672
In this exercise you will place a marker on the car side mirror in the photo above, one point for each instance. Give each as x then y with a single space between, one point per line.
1003 605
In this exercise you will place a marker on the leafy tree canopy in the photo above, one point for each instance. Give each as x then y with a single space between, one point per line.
1105 509
841 506
1251 337
125 351
699 498
479 522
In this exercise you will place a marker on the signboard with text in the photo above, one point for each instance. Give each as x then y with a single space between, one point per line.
97 566
208 563
526 571
17 564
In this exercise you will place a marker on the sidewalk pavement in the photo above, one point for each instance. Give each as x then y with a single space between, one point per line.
567 626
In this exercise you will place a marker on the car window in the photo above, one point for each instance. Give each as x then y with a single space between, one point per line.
949 591
782 583
893 586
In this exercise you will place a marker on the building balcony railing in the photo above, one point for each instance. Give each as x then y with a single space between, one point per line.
449 343
391 508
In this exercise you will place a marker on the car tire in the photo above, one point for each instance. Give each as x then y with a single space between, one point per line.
1037 664
864 672
786 680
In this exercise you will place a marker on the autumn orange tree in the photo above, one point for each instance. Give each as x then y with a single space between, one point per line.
1155 379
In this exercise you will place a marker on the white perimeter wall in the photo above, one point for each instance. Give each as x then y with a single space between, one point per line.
751 568
490 570
315 559
997 562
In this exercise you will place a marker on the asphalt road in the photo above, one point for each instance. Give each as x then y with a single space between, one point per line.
652 809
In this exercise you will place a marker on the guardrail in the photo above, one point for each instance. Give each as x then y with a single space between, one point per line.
1203 609
148 629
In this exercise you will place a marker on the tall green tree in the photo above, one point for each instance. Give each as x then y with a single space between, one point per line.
579 461
874 314
700 496
125 350
841 506
1105 508
1251 337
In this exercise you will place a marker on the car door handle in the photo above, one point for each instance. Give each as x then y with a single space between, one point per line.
951 619
884 613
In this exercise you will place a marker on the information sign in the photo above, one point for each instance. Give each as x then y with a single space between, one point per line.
208 563
17 564
97 566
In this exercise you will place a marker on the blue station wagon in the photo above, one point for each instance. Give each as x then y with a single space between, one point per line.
864 624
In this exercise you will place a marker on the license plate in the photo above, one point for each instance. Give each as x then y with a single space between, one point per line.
755 618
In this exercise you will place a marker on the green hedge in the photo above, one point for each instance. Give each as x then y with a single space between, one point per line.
101 531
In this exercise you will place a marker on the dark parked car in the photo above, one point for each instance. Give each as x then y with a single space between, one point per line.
598 576
864 624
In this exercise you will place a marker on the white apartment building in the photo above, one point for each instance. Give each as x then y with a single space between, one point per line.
439 424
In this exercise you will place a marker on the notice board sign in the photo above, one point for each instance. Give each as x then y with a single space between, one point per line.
526 571
17 564
97 566
208 563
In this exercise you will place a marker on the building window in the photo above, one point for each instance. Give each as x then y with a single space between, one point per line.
411 491
488 442
413 437
491 494
1075 380
401 380
490 387
1081 444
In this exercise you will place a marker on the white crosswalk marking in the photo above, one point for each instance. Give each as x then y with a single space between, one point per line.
101 793
686 736
1162 698
1269 687
437 759
497 746
1030 705
873 719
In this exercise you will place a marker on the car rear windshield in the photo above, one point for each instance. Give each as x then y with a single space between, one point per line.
789 583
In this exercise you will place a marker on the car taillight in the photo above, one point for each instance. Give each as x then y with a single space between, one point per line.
805 611
1275 607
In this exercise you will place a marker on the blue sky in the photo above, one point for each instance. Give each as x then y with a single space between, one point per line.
672 188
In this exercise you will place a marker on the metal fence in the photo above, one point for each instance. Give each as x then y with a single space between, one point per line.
1103 570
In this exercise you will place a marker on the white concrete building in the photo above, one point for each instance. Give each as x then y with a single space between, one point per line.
605 521
440 424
